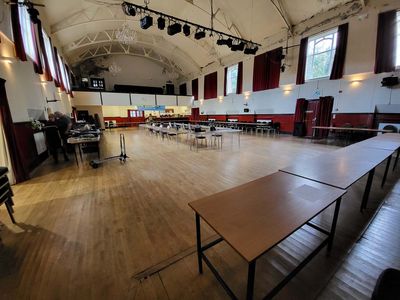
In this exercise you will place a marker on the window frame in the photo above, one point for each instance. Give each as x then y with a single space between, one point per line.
332 51
48 48
28 34
230 89
397 43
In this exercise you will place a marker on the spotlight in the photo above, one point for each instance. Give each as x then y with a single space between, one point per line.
161 23
186 30
130 10
33 13
174 28
200 35
146 22
227 42
251 50
238 47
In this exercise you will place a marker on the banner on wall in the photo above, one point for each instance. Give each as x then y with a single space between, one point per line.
152 108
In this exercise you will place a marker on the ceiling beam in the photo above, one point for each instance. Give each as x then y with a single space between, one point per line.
284 14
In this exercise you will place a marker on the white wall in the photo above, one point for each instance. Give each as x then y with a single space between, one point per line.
135 71
350 97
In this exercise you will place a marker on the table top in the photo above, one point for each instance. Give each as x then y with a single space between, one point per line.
340 168
256 216
81 140
388 136
379 143
350 129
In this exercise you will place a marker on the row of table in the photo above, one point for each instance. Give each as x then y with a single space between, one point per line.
255 217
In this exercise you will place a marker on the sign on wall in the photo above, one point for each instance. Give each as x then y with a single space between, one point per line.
152 108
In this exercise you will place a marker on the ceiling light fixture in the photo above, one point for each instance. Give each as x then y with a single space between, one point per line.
131 9
174 29
186 30
146 22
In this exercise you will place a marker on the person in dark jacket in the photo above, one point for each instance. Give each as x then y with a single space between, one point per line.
53 139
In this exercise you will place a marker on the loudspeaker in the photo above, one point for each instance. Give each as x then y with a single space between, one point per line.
390 81
299 129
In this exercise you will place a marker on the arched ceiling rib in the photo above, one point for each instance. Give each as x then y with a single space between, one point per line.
73 20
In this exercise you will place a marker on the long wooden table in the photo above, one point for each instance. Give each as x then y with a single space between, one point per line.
342 168
255 217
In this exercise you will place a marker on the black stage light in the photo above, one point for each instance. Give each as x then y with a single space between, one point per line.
161 23
131 11
251 50
174 28
186 29
238 47
199 35
227 42
146 22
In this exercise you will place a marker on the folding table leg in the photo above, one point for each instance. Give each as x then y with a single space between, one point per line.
334 222
250 280
397 159
367 189
386 170
199 250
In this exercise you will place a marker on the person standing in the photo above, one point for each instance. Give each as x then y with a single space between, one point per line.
64 124
53 139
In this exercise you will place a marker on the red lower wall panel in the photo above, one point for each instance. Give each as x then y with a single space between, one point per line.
356 120
287 121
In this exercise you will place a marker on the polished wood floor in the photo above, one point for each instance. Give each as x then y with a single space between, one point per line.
126 231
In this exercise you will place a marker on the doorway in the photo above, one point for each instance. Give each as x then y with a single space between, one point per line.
311 117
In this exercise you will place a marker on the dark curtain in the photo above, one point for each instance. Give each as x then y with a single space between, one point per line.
239 87
183 89
210 86
16 27
225 79
37 64
301 107
47 73
386 43
6 118
195 88
260 72
324 115
273 66
340 53
57 66
301 67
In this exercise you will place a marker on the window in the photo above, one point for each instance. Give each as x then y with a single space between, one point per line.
232 79
49 54
320 55
97 83
398 39
27 33
64 75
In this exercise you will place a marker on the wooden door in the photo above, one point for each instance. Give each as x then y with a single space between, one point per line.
195 114
311 117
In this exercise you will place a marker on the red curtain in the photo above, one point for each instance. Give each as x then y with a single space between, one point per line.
301 107
6 119
273 65
47 73
260 72
340 53
225 79
16 27
195 88
239 87
324 115
386 43
301 68
210 86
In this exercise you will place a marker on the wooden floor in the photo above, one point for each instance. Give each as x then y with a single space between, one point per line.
126 231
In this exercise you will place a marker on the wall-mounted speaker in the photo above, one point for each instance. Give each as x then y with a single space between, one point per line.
390 81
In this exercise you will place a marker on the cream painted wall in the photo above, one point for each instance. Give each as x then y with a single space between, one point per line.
349 97
135 71
92 109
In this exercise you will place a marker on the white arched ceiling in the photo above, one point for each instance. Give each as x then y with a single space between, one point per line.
73 21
